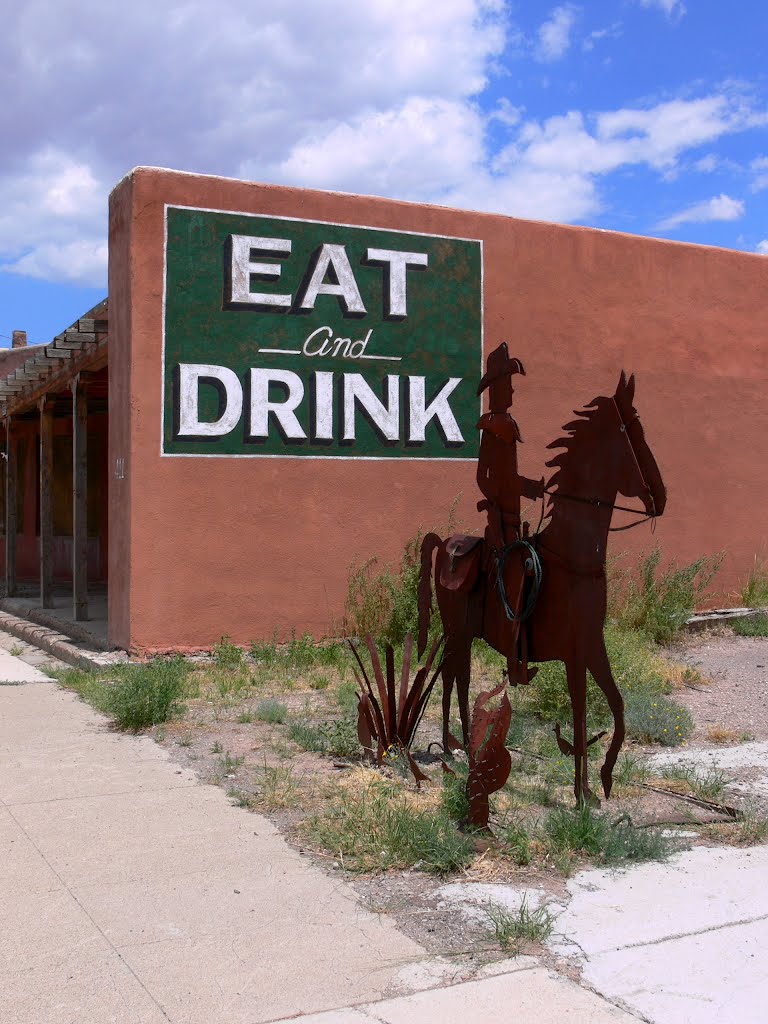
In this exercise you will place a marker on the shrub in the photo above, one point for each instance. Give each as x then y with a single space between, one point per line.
384 602
377 828
635 666
755 592
337 736
226 654
658 604
146 695
273 711
653 718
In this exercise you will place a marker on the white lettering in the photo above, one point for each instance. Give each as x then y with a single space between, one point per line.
190 375
284 411
363 343
333 257
420 413
398 263
325 347
242 267
323 429
385 418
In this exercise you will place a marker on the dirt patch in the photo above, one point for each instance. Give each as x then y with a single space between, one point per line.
734 705
264 769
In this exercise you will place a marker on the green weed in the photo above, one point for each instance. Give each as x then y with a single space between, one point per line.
145 695
706 784
245 717
229 763
377 829
755 592
753 625
226 654
605 840
516 840
337 736
659 603
453 796
514 930
273 711
630 770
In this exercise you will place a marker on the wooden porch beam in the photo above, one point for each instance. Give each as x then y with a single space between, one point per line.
11 526
79 500
46 505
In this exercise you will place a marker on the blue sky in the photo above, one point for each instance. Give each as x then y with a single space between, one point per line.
644 116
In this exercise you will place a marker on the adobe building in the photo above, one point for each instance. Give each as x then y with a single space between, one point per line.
283 383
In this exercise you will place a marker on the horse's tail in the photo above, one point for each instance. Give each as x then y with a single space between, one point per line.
428 545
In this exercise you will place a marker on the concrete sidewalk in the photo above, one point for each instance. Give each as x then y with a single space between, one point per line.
131 894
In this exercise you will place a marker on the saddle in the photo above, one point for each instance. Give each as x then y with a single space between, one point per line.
461 569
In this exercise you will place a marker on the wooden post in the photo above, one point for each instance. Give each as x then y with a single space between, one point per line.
79 500
46 515
11 471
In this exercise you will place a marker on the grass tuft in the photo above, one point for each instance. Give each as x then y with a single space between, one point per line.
377 829
337 736
605 840
144 695
753 625
515 930
755 591
273 711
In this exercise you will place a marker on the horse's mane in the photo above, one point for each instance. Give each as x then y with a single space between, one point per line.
581 432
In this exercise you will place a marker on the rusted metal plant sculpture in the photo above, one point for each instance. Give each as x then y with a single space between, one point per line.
489 586
387 724
489 759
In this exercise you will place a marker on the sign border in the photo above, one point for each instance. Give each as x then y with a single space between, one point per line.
327 458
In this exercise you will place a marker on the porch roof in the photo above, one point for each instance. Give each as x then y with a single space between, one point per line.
51 367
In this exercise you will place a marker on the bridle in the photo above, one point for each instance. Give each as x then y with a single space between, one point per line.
599 503
533 561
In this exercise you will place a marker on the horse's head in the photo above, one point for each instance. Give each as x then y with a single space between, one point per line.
640 475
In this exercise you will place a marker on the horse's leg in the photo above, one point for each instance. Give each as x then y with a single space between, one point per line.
448 673
463 673
577 688
600 667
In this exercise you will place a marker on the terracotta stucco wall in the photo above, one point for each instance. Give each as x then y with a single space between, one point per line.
199 547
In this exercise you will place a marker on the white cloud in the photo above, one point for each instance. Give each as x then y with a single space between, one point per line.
554 36
382 97
416 151
613 31
706 164
760 167
672 8
762 247
720 207
81 262
214 88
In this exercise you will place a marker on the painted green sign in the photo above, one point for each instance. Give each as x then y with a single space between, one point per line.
290 337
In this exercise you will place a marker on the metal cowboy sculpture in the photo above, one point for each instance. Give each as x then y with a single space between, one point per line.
541 596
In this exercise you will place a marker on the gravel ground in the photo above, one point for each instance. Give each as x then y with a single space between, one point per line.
736 698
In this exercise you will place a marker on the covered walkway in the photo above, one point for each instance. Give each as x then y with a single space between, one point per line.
54 410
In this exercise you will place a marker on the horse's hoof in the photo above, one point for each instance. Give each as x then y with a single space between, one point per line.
607 780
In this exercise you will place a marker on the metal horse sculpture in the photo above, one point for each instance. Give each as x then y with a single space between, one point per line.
605 454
